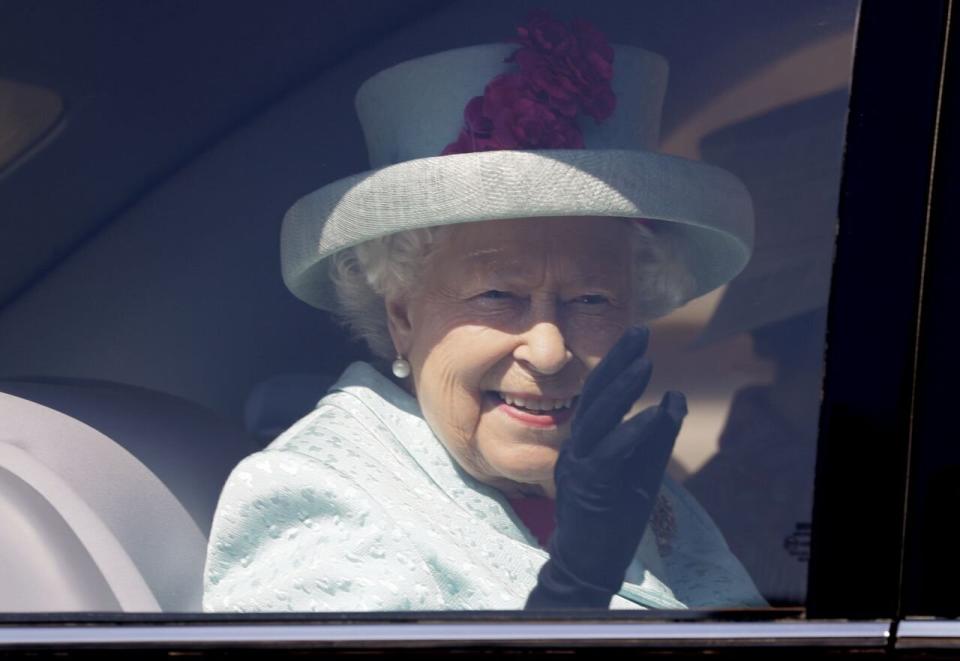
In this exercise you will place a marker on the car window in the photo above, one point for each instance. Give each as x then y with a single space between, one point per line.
322 297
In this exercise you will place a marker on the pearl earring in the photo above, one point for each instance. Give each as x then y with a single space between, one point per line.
400 367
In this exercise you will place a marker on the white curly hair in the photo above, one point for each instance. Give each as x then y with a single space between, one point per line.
366 274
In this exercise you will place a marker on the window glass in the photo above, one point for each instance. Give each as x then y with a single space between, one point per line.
557 280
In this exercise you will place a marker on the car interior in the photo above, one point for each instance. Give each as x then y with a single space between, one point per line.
147 341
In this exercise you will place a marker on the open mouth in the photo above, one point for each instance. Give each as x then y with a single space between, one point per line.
541 412
536 405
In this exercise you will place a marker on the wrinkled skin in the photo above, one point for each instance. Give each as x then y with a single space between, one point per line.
521 306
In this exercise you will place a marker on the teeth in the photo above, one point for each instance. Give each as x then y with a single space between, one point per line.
537 404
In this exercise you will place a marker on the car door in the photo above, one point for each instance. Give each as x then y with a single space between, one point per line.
875 548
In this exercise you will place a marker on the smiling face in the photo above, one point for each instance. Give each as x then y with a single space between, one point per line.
510 317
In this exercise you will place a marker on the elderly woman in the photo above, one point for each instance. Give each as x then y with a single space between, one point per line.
501 256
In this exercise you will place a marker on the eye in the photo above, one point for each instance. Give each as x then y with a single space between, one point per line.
592 299
495 295
494 300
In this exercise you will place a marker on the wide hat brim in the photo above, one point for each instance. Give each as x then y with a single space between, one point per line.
704 211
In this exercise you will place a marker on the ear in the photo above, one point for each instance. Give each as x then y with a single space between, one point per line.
400 323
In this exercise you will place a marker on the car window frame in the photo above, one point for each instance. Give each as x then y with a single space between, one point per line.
930 599
872 328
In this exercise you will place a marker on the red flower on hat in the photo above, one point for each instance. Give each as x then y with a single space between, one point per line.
562 72
573 68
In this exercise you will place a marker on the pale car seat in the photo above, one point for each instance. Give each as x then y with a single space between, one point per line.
106 496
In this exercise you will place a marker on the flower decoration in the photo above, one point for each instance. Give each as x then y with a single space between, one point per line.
562 72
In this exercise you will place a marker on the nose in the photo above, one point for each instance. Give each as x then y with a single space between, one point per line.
543 348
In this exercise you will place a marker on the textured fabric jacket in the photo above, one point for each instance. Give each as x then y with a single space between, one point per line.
358 507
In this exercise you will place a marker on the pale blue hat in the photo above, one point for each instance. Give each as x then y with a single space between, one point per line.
411 111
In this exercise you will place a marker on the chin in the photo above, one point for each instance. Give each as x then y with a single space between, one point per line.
526 463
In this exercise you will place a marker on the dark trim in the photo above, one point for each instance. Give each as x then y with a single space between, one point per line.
931 573
872 327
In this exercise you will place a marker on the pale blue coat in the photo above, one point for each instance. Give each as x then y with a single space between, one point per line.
358 507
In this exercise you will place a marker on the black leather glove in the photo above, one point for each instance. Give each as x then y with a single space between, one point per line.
608 475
